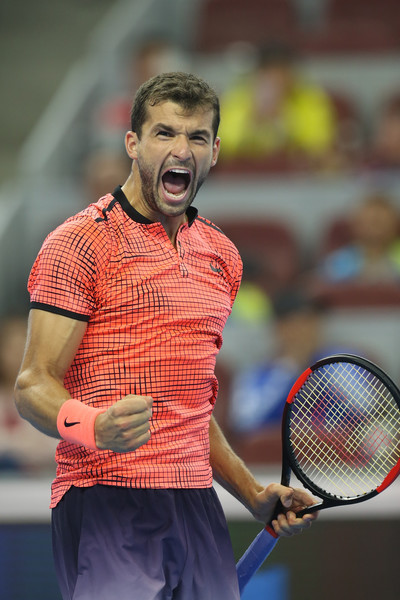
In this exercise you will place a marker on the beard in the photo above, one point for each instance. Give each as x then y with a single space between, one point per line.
151 184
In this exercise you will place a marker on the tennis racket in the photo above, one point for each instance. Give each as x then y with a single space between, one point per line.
340 438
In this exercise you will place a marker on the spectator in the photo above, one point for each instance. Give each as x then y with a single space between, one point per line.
252 304
245 330
22 448
273 111
385 145
260 391
372 254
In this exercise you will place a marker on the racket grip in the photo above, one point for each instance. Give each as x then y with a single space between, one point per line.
254 556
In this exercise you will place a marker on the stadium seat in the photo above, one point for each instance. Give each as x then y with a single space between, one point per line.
222 22
337 234
355 26
357 295
269 249
264 447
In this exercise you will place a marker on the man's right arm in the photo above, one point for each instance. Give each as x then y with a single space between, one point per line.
52 343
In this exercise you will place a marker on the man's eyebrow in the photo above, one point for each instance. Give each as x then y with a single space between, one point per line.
163 127
203 132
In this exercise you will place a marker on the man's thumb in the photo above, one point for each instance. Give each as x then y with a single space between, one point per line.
287 499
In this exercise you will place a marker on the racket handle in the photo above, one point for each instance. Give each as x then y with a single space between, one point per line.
254 556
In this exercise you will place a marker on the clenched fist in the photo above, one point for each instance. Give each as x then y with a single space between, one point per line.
124 426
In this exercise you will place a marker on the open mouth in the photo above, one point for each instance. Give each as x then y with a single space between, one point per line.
176 182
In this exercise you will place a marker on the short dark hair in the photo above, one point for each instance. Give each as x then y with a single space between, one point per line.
187 90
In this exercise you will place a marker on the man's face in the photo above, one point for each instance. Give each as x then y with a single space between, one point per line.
173 156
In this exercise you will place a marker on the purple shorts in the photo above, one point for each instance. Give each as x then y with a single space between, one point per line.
113 543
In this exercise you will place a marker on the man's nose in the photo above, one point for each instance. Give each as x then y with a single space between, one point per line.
181 148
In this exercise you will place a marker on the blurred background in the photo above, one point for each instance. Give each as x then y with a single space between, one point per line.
307 186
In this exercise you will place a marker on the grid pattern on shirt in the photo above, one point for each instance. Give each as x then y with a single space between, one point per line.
155 316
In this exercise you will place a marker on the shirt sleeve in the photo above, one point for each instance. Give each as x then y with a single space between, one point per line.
64 275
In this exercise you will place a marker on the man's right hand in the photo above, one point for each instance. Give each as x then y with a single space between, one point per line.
125 425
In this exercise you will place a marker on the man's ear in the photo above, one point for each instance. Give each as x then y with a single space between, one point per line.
131 141
216 148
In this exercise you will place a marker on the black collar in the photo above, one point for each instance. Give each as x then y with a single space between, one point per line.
119 195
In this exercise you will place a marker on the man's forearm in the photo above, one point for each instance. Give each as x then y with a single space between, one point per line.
39 399
230 471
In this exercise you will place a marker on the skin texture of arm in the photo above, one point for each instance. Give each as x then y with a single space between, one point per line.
52 343
231 472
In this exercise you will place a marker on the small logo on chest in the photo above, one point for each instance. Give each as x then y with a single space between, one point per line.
214 267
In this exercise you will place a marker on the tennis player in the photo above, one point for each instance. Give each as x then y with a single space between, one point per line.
128 302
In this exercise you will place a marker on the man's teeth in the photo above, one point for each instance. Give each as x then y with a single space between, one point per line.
176 182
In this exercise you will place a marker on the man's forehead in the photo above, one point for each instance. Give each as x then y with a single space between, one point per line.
201 116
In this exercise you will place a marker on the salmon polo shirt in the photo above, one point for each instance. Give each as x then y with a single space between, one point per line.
155 316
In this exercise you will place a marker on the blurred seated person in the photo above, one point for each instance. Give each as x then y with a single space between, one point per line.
259 392
245 330
273 111
23 449
373 253
385 144
244 342
253 303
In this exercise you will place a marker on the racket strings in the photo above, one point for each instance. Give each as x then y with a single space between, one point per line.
324 468
342 480
367 382
344 429
347 433
334 482
353 453
361 407
379 406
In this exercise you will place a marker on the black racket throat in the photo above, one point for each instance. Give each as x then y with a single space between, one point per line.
332 503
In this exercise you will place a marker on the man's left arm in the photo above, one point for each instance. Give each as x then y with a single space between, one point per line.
233 475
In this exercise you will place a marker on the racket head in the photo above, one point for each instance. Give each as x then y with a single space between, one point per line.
341 430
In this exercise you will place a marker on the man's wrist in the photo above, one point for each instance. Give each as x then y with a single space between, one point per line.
76 421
